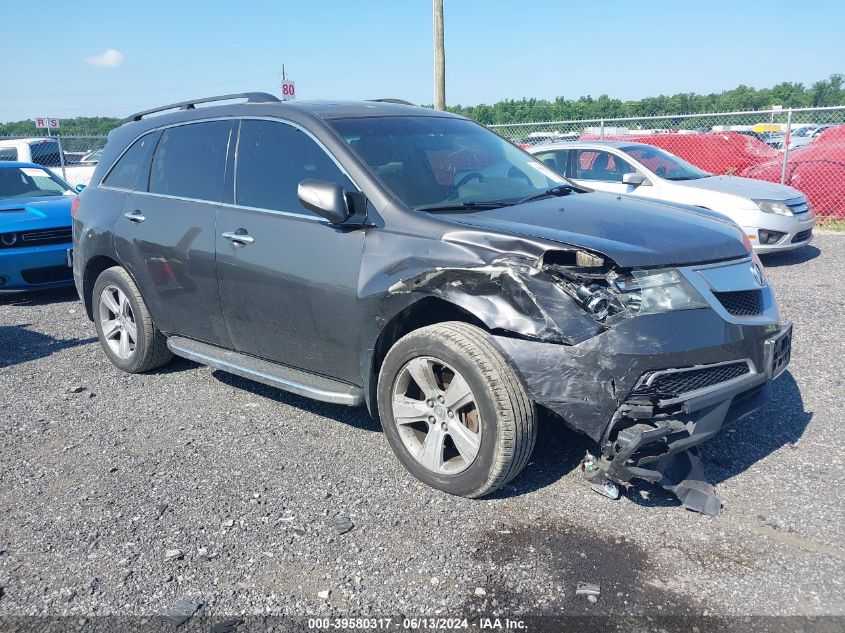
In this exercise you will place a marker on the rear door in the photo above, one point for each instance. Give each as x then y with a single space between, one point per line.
288 285
165 236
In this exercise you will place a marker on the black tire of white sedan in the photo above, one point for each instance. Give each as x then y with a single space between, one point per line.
124 325
454 412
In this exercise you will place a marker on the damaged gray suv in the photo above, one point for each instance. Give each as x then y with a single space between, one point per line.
411 260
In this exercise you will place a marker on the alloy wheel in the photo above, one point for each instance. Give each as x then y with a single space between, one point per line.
117 322
436 415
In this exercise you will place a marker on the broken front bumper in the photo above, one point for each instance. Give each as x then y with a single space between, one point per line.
652 388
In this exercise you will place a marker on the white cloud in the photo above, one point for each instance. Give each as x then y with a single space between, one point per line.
109 58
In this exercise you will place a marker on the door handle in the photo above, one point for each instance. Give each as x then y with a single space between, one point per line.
239 238
135 216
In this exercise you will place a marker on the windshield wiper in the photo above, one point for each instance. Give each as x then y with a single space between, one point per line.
560 190
465 206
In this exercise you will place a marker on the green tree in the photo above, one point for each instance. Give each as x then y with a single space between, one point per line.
827 92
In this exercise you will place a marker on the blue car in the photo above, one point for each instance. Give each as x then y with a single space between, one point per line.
35 228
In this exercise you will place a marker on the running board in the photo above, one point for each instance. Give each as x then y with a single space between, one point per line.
296 381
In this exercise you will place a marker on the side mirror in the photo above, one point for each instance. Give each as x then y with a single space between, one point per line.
327 199
79 187
634 179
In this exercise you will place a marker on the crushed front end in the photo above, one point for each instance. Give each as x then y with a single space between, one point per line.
655 383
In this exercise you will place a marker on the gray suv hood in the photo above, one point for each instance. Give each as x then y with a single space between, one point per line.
744 187
634 233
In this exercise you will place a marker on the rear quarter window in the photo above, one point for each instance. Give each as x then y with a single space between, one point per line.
125 173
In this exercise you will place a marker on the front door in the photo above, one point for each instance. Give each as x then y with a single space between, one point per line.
601 170
288 279
166 233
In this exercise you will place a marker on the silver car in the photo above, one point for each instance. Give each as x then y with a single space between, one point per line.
775 217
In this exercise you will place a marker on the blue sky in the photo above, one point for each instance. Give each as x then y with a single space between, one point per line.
166 51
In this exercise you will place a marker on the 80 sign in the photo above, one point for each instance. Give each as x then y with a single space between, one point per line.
288 91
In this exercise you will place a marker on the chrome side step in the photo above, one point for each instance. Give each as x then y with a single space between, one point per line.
283 377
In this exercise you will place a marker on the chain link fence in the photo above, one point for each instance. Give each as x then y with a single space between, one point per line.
71 157
802 147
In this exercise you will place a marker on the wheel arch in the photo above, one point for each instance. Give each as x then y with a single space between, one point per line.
425 311
93 269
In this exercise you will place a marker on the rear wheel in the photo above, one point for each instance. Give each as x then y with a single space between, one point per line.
454 412
124 326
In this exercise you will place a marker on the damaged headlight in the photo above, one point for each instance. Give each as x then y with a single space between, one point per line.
650 291
608 294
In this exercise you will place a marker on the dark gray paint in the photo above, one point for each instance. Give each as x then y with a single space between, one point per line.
319 297
631 232
171 257
291 295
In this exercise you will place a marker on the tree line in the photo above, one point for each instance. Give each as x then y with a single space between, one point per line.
827 92
77 126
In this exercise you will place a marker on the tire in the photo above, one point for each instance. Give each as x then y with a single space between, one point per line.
504 415
149 349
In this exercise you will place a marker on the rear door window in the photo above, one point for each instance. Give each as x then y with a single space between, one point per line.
190 161
124 174
273 158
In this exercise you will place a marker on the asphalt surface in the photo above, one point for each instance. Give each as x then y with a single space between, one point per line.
126 494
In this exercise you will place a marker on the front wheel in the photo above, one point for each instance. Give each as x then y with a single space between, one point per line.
453 410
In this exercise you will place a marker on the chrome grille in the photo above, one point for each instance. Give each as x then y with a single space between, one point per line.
741 302
674 383
798 206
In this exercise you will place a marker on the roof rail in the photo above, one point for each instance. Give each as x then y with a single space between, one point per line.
389 100
251 97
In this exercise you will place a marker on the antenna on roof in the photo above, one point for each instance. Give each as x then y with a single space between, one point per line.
389 100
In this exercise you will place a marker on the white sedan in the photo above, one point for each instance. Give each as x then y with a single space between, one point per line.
775 217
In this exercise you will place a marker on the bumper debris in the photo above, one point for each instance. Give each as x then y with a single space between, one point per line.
587 589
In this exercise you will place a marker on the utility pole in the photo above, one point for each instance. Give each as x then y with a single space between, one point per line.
439 58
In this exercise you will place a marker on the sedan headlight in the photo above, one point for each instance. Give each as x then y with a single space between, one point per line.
651 291
773 206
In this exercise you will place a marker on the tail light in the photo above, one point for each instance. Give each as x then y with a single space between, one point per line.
74 207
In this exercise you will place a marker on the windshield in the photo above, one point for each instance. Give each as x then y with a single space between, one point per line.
431 162
30 182
804 131
92 157
45 153
664 164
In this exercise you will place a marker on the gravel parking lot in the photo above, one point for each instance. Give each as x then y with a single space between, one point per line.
125 494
